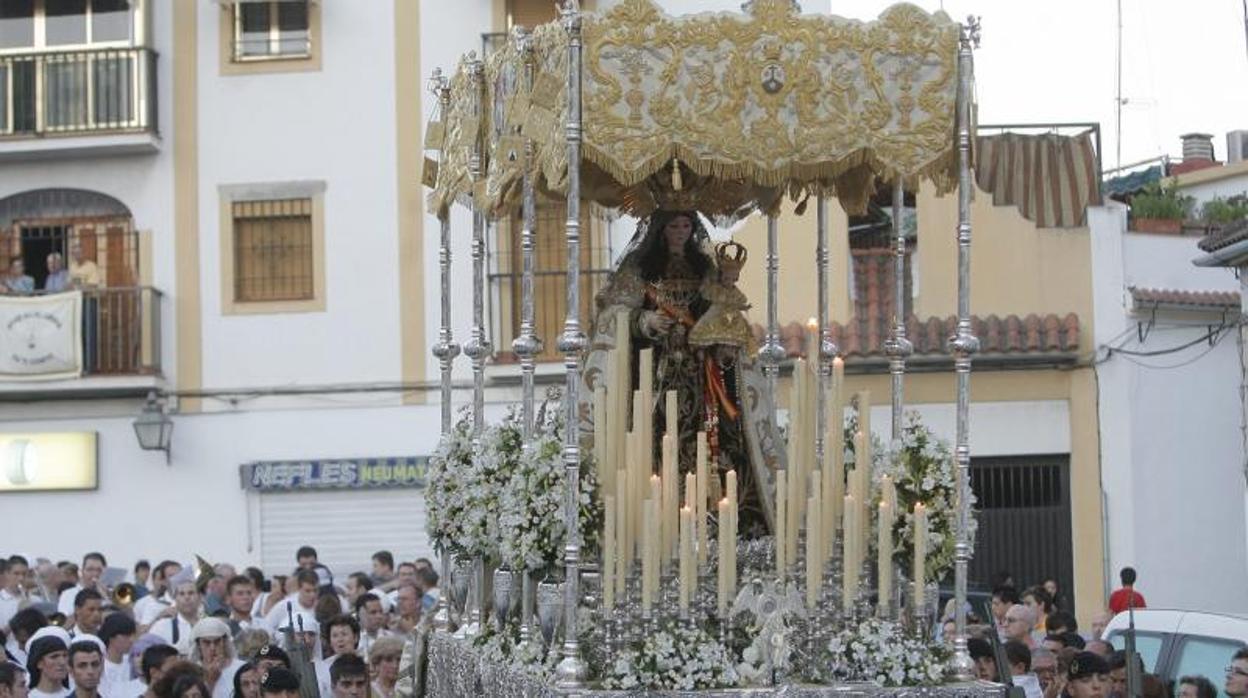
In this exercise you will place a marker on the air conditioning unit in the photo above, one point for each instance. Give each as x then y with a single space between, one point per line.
1237 146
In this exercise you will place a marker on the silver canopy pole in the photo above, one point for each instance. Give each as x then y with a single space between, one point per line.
772 352
446 349
963 346
572 670
527 345
898 348
478 347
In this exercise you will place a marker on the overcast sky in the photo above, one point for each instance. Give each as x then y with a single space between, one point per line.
1185 64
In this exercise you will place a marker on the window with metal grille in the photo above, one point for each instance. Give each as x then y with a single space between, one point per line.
273 29
273 255
550 276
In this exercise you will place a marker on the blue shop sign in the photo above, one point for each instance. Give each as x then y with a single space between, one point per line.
350 474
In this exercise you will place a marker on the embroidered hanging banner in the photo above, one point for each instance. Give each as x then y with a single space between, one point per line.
771 101
40 336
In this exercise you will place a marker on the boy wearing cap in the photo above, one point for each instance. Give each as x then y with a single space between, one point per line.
86 664
279 682
187 608
1088 676
271 656
213 650
47 662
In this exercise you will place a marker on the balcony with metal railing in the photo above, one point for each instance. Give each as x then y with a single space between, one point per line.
78 102
113 344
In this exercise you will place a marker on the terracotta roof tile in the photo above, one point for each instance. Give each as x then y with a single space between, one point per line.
1032 335
1228 235
1196 299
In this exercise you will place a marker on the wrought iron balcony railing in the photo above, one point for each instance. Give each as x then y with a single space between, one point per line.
81 92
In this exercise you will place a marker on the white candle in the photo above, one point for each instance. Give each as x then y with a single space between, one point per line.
647 557
884 546
700 495
624 553
721 577
733 505
600 438
836 444
672 414
782 515
814 526
608 553
686 558
888 491
814 563
920 553
850 575
812 341
671 498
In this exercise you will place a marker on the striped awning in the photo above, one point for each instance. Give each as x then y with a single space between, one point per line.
1051 178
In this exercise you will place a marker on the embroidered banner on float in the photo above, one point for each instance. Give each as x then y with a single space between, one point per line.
40 336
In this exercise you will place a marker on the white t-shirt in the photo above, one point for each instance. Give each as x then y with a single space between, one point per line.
225 684
278 618
164 629
36 693
115 681
65 604
147 608
8 607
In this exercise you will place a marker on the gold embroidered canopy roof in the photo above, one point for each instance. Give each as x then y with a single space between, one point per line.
751 105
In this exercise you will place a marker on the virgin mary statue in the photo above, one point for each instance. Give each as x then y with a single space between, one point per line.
668 278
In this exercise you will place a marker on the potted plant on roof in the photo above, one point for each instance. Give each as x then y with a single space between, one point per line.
1159 209
1220 211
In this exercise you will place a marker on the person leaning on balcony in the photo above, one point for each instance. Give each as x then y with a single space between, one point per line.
58 275
83 273
17 280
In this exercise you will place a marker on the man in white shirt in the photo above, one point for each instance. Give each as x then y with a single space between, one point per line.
117 634
149 608
240 596
93 565
370 611
176 630
305 600
86 665
48 665
213 650
88 612
22 627
10 593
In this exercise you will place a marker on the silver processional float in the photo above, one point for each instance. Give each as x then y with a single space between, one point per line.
728 115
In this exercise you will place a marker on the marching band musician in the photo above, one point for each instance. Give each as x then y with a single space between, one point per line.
175 623
149 608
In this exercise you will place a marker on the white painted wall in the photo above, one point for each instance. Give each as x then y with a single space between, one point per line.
1170 443
336 126
195 505
1224 188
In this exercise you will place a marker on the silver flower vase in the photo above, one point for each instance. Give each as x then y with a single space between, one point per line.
506 595
549 609
461 579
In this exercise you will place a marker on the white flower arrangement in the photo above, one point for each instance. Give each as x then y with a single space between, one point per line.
884 653
445 496
923 470
678 657
504 650
530 505
466 481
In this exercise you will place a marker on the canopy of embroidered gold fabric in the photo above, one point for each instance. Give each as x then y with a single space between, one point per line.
751 105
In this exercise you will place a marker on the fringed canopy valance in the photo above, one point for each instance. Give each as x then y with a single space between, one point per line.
751 106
